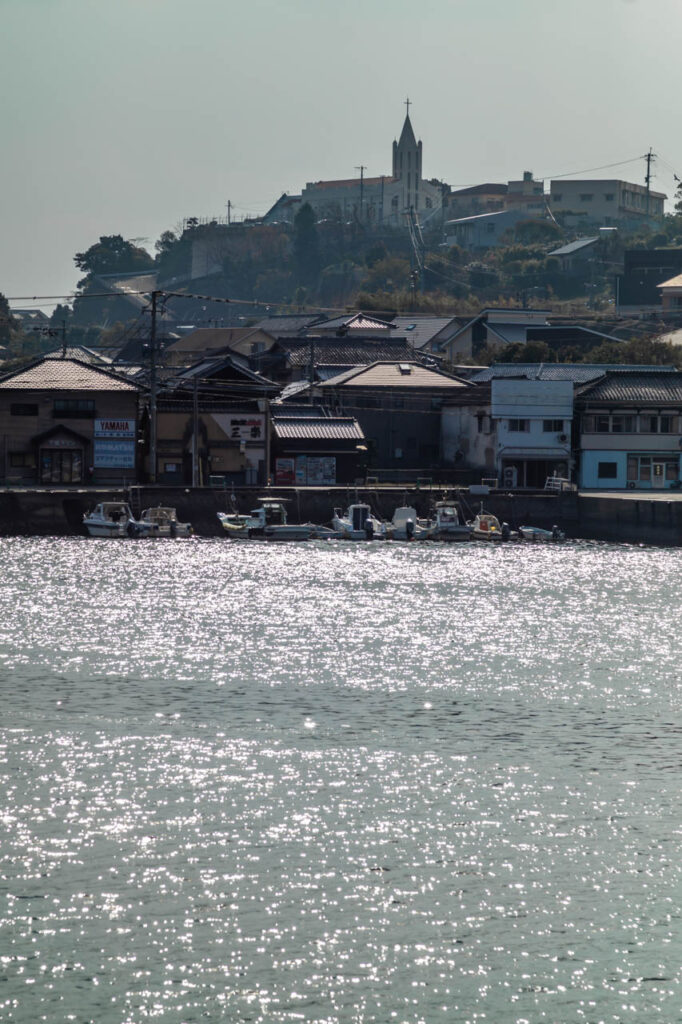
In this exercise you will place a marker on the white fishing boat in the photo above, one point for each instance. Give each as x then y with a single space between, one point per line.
162 521
448 525
406 525
111 519
268 521
486 526
537 535
358 523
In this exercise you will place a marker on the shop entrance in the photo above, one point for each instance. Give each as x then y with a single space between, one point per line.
61 467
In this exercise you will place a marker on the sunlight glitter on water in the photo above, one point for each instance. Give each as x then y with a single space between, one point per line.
339 783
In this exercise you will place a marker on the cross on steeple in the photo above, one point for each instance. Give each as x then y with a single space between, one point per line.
407 104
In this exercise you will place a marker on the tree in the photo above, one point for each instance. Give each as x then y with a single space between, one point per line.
7 322
306 245
112 255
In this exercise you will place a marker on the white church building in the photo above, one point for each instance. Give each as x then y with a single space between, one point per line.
386 200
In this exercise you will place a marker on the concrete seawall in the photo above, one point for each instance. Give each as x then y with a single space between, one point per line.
59 512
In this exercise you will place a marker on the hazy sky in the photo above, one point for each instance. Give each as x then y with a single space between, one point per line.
124 116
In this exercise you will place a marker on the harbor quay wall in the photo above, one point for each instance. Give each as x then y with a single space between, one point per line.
44 511
633 519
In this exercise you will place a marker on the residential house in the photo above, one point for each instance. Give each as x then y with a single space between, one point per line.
610 202
575 255
213 421
483 230
631 430
671 294
65 421
398 405
643 270
310 447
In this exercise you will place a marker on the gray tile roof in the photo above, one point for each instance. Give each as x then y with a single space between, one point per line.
420 330
579 373
390 375
335 351
634 386
337 428
286 326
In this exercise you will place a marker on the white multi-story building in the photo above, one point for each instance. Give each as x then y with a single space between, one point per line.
610 202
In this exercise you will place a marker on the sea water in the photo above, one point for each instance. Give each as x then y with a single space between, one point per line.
332 782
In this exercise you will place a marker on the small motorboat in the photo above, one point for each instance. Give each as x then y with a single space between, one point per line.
537 535
407 526
112 519
163 522
486 526
358 523
268 521
448 525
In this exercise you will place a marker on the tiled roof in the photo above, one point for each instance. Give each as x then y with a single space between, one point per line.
355 322
634 386
205 338
579 373
285 326
65 375
85 355
390 375
351 353
420 330
673 282
337 428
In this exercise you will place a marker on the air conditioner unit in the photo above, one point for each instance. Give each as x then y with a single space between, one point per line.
510 476
562 437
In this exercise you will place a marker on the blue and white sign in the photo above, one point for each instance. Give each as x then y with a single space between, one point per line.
111 454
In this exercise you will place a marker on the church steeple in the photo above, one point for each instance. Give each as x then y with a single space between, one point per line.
407 154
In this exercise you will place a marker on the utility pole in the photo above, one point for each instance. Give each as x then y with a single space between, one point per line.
649 157
229 211
195 433
63 332
152 391
312 367
362 170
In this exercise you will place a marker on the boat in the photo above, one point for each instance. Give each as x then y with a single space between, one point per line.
537 535
358 523
448 525
486 526
162 521
406 525
268 521
112 519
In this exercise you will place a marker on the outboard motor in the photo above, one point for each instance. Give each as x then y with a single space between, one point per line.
506 531
173 528
369 529
556 532
409 529
132 529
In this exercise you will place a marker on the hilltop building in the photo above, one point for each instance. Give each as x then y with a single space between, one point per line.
377 201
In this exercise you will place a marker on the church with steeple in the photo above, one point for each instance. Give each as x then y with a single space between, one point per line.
388 200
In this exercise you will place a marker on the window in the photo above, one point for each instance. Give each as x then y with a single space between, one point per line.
556 198
607 470
552 426
609 197
490 228
602 423
668 425
622 424
519 426
588 424
22 460
23 409
648 424
74 408
586 197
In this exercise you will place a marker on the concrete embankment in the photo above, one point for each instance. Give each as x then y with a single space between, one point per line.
46 511
650 519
